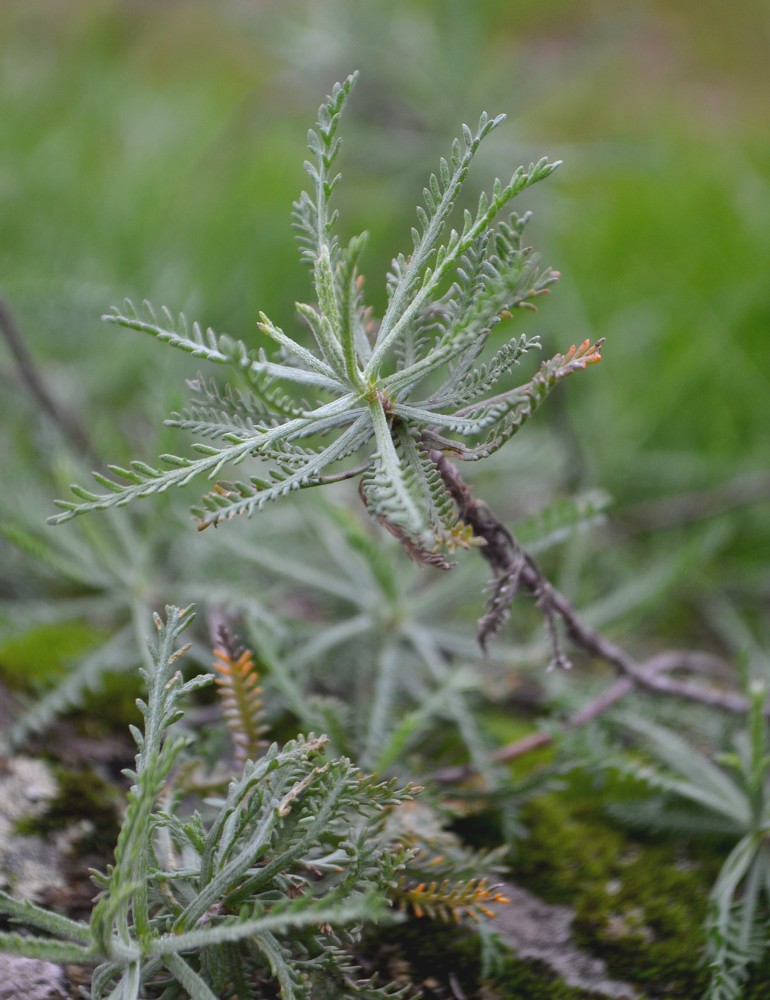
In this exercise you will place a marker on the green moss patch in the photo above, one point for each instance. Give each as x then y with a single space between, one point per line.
81 795
440 958
32 660
640 903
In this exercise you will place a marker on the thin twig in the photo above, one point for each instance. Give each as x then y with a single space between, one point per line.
67 422
663 663
509 560
457 991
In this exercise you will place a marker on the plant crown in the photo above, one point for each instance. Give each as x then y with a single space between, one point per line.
367 380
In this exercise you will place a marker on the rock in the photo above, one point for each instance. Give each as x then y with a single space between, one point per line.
30 978
28 865
535 929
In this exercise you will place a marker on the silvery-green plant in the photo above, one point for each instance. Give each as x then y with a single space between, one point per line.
385 398
269 884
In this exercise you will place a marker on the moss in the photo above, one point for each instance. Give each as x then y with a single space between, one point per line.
646 918
82 795
639 902
532 980
437 958
112 707
563 853
35 659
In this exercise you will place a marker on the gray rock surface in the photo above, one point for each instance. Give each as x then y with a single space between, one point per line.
31 979
538 930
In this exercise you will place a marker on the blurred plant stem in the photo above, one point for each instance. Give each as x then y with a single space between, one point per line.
697 505
32 378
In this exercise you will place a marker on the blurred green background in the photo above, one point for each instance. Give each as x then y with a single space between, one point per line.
154 149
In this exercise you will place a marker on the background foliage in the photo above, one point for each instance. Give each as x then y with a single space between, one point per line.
154 150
